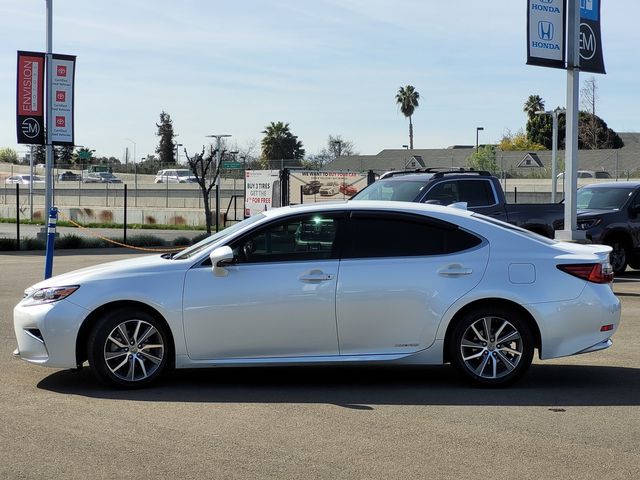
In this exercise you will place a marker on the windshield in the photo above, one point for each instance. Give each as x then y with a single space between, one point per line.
402 191
603 198
204 244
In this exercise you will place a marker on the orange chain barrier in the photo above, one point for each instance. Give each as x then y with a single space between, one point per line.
109 240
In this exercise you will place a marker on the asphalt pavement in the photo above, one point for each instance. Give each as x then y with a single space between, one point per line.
569 418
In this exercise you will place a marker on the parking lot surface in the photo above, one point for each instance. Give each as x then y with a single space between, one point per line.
568 418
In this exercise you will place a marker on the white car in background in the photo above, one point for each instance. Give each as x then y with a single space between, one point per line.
175 175
24 180
340 283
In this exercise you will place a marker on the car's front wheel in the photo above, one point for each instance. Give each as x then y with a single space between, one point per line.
492 346
129 349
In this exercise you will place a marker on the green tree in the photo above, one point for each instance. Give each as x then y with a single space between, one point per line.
279 144
533 104
166 147
39 154
206 170
594 134
63 155
8 155
484 159
518 141
407 100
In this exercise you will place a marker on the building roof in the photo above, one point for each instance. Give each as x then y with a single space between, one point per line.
623 161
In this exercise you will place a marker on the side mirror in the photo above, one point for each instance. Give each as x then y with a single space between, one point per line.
221 257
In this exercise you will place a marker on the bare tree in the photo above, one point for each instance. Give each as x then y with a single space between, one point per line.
589 130
206 170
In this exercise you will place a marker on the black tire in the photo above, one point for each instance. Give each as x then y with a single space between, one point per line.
118 360
619 257
491 362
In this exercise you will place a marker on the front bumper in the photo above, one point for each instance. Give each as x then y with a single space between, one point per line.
46 334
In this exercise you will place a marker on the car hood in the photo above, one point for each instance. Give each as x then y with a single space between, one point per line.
591 212
130 267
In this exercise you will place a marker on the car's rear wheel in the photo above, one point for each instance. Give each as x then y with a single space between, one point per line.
129 349
492 346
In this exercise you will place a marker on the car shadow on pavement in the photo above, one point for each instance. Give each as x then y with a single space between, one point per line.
362 387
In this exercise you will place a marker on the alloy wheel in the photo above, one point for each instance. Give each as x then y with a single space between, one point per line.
491 347
134 350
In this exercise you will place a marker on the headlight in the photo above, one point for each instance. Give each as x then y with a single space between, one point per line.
48 295
588 224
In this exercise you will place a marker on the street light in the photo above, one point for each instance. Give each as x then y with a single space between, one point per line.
478 129
218 138
134 152
554 148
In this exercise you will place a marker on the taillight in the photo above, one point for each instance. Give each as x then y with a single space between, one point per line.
592 272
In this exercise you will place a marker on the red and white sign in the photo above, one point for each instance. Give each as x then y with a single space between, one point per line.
30 98
62 86
262 191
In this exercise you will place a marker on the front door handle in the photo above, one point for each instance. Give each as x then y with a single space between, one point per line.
315 276
455 270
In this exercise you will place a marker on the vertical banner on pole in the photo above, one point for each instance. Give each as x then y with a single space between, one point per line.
591 59
546 20
62 85
30 98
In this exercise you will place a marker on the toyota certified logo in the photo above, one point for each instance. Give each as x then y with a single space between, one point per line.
545 31
587 42
30 127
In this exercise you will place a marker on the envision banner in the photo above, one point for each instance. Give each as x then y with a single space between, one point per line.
62 90
591 59
546 20
30 98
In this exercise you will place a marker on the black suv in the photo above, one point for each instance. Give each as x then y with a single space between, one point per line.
609 213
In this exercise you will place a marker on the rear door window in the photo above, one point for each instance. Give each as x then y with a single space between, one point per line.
398 235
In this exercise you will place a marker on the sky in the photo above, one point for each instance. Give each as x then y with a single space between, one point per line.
325 67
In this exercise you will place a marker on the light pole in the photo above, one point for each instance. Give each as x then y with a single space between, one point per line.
554 148
406 147
478 129
178 145
218 138
339 144
134 151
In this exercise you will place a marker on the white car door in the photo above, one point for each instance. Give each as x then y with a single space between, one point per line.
398 278
277 300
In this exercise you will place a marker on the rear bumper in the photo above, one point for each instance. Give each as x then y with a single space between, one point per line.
597 347
576 328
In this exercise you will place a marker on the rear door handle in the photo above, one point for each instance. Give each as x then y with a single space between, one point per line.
454 271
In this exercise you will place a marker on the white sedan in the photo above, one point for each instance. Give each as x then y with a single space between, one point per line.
24 180
344 283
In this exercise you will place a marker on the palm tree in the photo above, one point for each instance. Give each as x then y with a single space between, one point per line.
407 98
533 104
279 143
